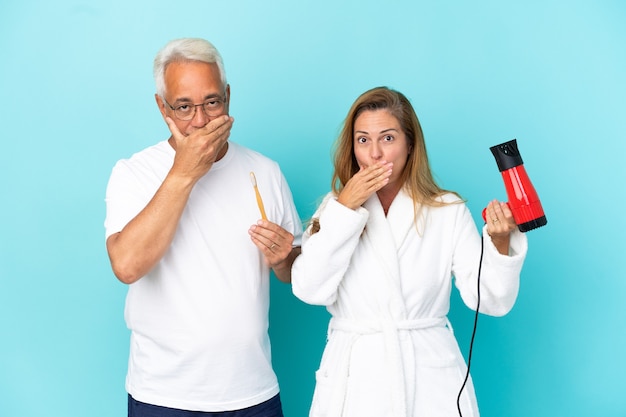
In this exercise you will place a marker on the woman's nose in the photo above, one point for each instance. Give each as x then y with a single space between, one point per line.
376 151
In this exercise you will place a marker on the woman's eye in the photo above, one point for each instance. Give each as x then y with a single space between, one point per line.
388 138
361 140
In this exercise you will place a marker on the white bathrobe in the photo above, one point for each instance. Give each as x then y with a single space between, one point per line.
390 350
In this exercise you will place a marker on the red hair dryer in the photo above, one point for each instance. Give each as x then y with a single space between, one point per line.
523 200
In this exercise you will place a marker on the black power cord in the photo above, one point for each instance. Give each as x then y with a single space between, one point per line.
469 355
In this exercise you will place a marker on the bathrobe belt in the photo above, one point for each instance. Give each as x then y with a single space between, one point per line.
390 330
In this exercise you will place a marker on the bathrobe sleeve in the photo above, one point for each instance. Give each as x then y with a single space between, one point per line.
499 274
318 271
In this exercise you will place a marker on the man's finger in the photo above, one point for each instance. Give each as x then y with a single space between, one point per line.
222 124
173 129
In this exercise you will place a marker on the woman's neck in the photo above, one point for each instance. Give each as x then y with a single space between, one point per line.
386 195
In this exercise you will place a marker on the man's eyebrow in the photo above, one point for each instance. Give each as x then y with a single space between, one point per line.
207 97
182 100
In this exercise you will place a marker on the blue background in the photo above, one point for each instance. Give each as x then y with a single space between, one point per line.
77 95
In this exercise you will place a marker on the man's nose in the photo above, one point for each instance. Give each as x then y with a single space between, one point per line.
199 118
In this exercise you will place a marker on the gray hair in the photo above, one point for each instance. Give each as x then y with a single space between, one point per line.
185 49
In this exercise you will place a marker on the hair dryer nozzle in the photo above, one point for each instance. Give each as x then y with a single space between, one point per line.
507 155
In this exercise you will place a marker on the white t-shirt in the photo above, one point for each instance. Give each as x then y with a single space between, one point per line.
199 318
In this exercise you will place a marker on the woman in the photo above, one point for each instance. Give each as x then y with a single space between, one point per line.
380 254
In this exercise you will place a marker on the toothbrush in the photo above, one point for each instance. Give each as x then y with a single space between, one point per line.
259 201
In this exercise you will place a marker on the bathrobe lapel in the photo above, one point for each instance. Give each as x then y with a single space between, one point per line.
384 236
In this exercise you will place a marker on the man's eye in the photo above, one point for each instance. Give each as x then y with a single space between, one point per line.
211 104
183 108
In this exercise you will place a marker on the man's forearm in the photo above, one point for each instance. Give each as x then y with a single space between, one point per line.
144 240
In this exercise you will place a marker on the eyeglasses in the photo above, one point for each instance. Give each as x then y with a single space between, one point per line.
212 107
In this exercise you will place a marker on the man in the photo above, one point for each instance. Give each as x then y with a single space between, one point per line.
182 230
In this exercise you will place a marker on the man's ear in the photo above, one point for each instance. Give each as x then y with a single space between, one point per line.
227 98
161 104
